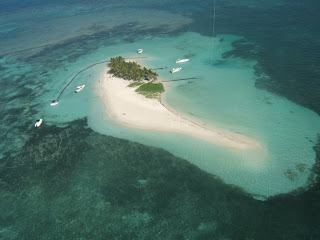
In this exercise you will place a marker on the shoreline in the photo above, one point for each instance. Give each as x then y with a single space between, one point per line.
130 109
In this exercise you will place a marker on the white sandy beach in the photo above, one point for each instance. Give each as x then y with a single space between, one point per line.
133 110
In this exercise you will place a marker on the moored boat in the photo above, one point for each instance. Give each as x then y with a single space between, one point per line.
173 70
54 102
38 123
183 60
79 88
140 50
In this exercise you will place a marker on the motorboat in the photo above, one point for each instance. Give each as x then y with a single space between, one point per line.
38 123
173 70
183 60
54 102
79 88
140 50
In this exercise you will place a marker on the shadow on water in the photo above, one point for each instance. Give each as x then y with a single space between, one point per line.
71 183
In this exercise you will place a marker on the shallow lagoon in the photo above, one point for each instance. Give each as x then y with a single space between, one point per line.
60 186
223 95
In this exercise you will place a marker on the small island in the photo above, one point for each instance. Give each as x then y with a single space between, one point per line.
130 70
143 78
131 94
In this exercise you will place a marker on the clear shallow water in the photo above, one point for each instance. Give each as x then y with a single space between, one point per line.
224 95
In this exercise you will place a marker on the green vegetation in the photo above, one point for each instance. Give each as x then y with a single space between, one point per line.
292 175
133 71
135 84
130 70
151 90
301 167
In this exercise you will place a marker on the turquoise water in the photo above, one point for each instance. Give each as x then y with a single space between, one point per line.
246 81
223 95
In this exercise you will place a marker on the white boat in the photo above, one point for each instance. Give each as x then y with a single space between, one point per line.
79 88
38 123
173 70
54 102
183 60
140 50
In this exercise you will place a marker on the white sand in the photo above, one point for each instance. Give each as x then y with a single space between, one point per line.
133 110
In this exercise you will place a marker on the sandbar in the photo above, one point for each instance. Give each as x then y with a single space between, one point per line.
128 108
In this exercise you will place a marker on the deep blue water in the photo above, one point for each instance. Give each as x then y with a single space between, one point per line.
72 183
288 40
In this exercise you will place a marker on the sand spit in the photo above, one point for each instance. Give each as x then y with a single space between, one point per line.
133 110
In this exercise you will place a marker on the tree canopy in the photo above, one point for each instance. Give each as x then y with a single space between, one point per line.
130 70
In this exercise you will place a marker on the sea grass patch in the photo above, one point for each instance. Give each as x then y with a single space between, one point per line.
151 90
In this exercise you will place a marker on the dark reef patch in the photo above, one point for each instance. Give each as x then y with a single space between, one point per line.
74 183
241 48
27 74
288 43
